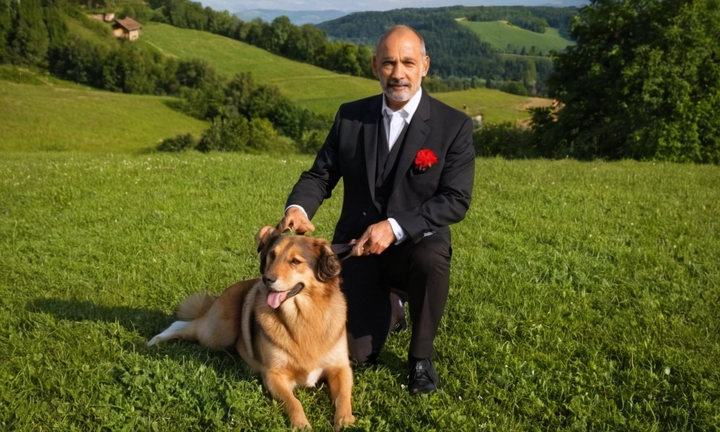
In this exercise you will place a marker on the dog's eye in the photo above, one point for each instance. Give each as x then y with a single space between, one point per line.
295 261
271 255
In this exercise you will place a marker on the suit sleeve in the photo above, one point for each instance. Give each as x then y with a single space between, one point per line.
317 184
452 198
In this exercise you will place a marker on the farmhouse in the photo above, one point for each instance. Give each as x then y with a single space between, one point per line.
126 28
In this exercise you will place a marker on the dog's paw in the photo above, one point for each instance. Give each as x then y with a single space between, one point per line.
153 341
302 426
343 421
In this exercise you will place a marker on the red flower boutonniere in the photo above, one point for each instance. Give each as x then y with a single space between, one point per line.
425 159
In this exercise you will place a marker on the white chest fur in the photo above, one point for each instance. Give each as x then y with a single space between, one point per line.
312 378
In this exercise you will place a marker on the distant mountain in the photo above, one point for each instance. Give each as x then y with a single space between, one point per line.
296 17
560 3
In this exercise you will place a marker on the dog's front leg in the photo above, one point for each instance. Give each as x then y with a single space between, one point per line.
340 380
281 388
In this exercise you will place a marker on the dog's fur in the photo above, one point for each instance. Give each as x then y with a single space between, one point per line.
289 325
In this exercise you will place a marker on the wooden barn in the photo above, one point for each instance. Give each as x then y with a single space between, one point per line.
126 28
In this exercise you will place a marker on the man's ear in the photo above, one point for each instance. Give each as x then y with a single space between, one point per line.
426 65
374 67
328 264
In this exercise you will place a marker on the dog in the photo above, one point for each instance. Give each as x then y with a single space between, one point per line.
288 325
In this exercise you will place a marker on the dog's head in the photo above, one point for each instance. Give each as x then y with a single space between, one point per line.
290 263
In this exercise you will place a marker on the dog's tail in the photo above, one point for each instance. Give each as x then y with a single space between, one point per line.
195 306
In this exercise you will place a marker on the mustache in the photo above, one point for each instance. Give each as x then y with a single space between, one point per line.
393 82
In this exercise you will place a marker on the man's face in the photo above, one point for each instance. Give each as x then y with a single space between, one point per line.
400 66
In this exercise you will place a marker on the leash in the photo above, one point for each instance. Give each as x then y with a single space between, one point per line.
342 250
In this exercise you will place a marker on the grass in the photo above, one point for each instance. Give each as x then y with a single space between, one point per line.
583 297
495 106
502 35
314 88
42 113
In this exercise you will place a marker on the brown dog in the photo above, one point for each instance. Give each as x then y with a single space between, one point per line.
289 326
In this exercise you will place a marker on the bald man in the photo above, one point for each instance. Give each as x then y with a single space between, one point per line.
407 163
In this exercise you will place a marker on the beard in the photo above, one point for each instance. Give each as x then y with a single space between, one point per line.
398 96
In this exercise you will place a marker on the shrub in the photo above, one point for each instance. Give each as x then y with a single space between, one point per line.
505 139
239 135
177 144
311 141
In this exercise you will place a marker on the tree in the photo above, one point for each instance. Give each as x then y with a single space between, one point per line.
31 41
642 82
5 29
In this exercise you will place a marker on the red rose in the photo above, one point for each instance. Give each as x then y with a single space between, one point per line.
425 159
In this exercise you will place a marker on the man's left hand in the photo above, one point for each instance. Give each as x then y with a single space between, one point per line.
374 240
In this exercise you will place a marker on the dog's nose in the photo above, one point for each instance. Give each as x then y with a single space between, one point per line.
268 279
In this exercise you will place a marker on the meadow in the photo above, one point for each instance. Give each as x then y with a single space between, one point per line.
584 296
42 113
502 35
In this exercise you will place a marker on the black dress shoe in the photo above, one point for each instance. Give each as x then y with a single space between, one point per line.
423 377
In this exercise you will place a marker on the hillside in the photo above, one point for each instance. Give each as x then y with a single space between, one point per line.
41 113
311 87
505 37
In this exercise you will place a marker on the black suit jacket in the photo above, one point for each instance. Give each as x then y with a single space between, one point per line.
420 201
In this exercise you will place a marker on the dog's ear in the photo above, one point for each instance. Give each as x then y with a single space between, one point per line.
328 264
264 238
266 235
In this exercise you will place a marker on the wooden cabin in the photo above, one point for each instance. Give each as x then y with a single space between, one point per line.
126 28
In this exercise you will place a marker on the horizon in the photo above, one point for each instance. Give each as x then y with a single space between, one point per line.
234 6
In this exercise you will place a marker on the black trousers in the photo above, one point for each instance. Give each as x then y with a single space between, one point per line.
421 271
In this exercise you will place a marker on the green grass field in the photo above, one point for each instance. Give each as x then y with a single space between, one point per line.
584 296
311 87
501 35
42 113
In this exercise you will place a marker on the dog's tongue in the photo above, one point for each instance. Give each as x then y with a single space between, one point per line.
275 299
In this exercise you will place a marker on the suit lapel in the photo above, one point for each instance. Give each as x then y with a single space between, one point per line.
370 142
417 132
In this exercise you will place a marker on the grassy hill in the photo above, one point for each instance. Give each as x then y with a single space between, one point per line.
311 87
507 37
42 113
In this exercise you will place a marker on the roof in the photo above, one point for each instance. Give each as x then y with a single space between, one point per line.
128 24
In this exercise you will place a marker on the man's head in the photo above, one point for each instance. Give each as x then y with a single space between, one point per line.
400 63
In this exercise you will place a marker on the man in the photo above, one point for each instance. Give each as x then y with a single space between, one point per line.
407 164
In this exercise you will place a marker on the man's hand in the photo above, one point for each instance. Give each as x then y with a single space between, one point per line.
296 221
374 240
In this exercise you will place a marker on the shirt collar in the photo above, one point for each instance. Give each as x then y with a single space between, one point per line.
408 111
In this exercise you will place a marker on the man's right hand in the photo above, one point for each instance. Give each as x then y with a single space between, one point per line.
296 221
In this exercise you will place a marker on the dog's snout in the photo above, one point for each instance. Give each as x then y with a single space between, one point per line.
268 279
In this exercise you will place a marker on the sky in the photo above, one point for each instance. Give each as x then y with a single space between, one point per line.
366 5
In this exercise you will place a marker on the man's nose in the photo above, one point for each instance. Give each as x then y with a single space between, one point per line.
398 72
